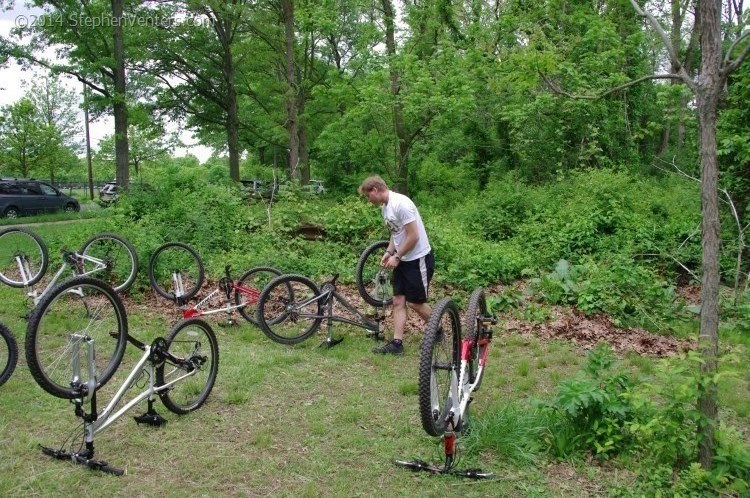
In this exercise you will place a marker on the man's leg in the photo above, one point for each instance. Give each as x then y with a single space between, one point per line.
399 317
423 309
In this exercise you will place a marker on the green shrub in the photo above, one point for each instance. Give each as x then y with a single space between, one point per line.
592 409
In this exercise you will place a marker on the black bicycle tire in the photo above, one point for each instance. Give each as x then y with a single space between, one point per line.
436 426
250 317
44 253
358 274
166 395
165 293
262 301
10 343
32 331
131 251
477 306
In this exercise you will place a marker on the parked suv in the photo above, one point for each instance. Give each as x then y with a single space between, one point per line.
21 196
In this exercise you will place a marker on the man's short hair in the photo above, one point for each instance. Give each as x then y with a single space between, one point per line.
372 182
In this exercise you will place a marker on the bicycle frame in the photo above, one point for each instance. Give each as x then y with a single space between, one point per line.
460 388
70 259
95 422
329 296
226 285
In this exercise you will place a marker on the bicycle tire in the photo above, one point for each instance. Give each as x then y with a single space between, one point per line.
289 309
439 361
20 242
255 278
373 282
7 361
84 306
187 340
119 256
176 257
477 307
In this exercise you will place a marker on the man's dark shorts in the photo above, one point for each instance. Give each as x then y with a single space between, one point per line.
412 278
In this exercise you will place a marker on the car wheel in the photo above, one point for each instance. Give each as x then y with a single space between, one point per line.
12 212
70 208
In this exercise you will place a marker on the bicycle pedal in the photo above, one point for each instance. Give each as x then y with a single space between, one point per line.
376 336
150 418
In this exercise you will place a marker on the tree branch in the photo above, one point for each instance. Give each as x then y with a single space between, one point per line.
733 65
557 89
667 43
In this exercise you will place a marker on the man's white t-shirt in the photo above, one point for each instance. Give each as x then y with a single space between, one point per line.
397 213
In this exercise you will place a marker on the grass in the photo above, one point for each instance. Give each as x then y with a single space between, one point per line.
89 210
303 421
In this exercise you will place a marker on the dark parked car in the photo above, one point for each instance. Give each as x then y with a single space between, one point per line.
22 196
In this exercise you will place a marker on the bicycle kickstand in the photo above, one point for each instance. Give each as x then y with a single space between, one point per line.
330 341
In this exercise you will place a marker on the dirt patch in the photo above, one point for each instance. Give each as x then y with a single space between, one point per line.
575 326
587 331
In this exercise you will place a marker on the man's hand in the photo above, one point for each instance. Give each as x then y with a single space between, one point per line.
390 261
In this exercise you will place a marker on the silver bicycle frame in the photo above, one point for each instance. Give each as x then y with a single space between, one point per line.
99 265
107 417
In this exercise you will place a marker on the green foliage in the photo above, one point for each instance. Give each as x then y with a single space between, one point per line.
353 221
592 409
495 213
653 423
628 292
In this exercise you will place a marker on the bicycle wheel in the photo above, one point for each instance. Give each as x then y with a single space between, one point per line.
439 363
8 354
176 271
195 342
251 284
289 309
78 309
118 257
477 308
23 257
373 281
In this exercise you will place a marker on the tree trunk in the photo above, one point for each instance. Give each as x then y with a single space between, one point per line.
120 108
291 97
233 120
304 147
402 147
709 87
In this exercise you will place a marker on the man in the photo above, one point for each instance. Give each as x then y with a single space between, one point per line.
409 255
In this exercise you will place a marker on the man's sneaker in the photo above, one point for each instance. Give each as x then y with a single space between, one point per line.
391 347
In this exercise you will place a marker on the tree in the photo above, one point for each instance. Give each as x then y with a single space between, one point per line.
707 86
20 137
146 144
196 63
57 106
91 37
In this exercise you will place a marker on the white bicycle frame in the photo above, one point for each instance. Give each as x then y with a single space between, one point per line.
107 417
460 388
25 271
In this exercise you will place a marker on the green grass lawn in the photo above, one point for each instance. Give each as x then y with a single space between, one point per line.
295 420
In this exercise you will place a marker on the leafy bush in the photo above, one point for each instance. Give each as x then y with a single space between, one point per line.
592 409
